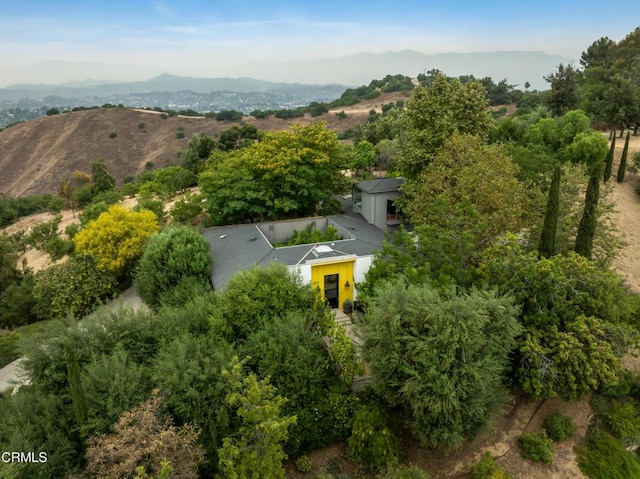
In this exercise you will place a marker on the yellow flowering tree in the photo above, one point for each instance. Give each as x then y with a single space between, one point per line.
117 238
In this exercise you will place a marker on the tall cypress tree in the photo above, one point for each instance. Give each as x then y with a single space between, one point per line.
78 397
587 226
623 160
609 167
547 245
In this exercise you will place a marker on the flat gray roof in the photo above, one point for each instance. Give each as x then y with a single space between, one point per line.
239 247
380 185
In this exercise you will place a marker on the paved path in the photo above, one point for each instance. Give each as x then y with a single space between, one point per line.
12 371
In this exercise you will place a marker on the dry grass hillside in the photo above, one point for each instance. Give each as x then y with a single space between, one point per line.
36 155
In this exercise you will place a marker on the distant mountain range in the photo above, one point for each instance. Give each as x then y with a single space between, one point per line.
281 86
161 83
517 67
354 70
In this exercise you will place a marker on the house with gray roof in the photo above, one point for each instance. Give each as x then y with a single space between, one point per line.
332 267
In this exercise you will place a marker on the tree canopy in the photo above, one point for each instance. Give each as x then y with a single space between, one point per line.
284 175
169 257
117 238
440 357
434 113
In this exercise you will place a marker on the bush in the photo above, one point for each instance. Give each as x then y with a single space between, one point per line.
113 134
141 125
372 443
171 256
113 383
488 468
559 427
304 464
180 135
404 472
9 348
604 457
253 297
71 230
144 438
117 238
17 303
622 420
75 287
536 446
92 212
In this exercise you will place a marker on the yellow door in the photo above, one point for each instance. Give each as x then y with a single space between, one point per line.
334 281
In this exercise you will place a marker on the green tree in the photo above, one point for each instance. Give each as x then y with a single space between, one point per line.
623 159
73 287
235 138
78 398
400 257
435 113
440 357
465 197
588 222
253 297
565 89
69 186
609 166
574 314
169 257
194 157
286 174
117 238
101 180
188 210
256 450
591 149
547 245
9 273
190 369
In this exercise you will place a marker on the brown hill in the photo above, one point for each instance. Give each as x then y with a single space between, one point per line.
36 155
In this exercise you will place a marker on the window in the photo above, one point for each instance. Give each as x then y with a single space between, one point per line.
357 198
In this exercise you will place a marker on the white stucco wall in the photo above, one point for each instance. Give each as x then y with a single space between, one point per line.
304 270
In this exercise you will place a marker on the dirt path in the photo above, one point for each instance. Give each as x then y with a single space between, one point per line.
627 216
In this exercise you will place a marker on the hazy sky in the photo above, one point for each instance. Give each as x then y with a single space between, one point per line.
203 37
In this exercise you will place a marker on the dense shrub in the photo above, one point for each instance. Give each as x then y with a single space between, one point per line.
414 339
40 422
488 468
253 297
189 370
536 446
9 348
117 238
74 287
304 464
404 472
622 420
144 438
113 383
604 457
289 350
372 442
559 427
171 256
17 303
